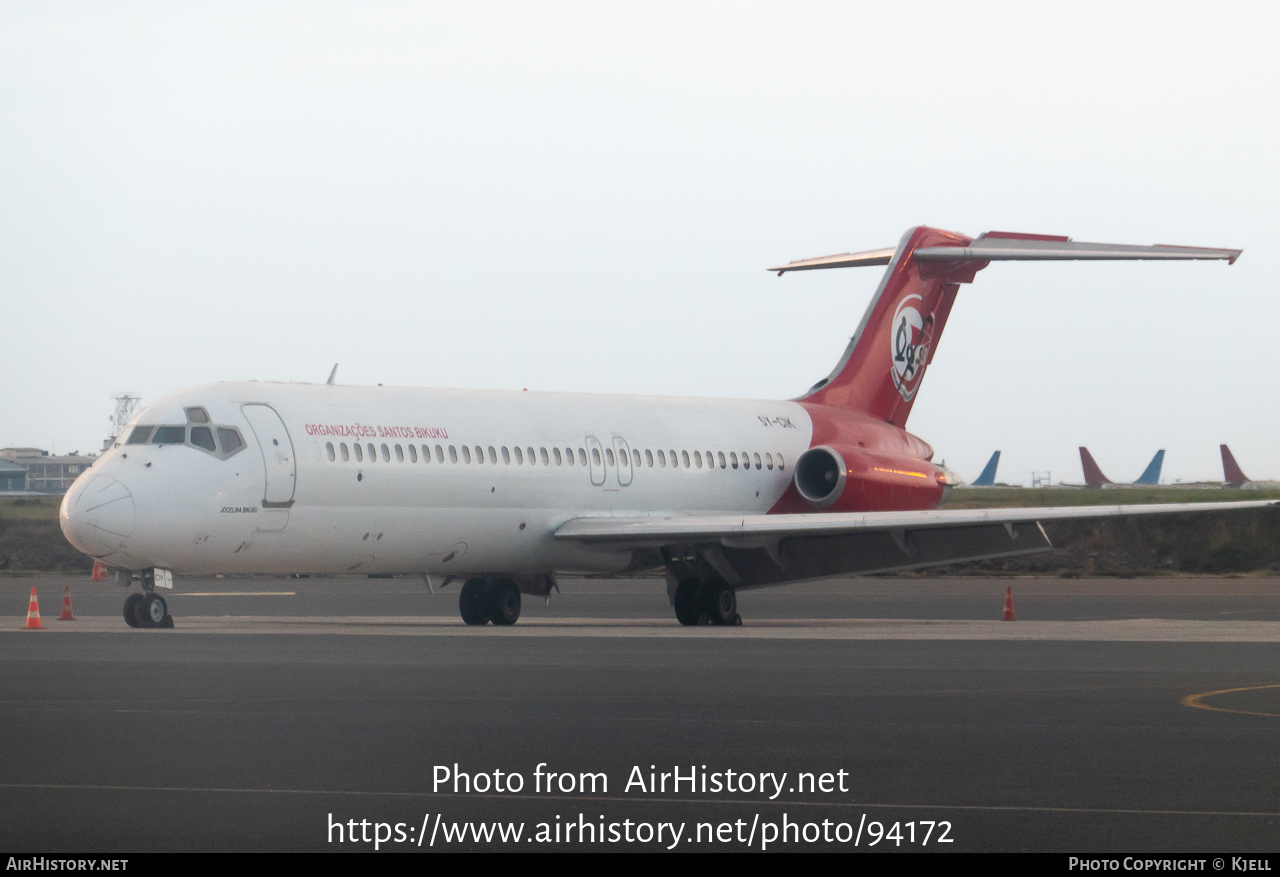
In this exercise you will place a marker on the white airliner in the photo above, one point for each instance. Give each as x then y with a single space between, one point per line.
503 490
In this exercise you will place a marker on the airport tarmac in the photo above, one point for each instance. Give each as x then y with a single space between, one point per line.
1113 716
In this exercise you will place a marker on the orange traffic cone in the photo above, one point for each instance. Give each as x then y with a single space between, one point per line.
1008 605
99 572
33 613
66 606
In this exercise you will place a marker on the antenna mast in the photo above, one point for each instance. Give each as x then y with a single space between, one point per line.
126 405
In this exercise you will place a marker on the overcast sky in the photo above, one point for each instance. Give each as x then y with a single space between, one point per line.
584 197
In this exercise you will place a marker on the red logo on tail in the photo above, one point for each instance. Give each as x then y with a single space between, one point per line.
909 344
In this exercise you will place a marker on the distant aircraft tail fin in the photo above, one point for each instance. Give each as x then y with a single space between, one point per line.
1151 475
988 476
1093 476
885 360
1231 471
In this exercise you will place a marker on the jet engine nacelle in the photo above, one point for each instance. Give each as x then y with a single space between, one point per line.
842 479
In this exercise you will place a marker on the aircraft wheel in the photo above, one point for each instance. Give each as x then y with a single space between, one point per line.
722 604
130 604
688 612
473 602
152 611
504 603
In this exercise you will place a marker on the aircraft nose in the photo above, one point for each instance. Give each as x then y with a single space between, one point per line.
97 515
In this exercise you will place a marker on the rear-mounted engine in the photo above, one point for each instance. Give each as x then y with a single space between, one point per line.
843 479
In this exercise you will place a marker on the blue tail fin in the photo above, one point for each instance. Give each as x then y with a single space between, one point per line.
1152 473
988 476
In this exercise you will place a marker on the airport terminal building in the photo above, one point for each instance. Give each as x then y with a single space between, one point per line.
32 470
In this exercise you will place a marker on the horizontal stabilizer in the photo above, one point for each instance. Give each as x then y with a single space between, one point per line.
1000 246
843 260
997 247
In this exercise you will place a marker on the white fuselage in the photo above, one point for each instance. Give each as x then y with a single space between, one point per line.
295 498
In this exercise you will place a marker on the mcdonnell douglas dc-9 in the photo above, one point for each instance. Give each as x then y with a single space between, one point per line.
502 491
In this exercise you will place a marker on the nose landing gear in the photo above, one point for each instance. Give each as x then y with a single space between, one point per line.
148 609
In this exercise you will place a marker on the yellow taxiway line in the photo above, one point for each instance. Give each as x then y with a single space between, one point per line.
1196 701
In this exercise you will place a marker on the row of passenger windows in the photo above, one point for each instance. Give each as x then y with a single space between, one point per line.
568 457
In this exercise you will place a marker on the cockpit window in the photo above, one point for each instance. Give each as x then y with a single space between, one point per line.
197 415
202 437
230 440
169 435
140 435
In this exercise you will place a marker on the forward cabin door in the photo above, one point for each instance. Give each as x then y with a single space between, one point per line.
279 464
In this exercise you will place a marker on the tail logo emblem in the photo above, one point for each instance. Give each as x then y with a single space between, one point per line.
910 345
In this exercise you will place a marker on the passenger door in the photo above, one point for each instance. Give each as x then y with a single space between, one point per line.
278 458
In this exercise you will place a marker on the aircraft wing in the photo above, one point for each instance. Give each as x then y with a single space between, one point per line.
757 550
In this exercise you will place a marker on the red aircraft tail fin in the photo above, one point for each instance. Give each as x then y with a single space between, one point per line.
885 361
1093 476
1231 469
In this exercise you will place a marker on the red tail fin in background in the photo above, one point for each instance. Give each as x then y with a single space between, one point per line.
1093 476
1231 469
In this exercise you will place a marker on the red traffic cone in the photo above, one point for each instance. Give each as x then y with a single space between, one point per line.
99 572
33 613
66 606
1008 605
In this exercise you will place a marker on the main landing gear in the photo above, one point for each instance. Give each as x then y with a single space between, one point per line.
485 600
147 609
706 603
